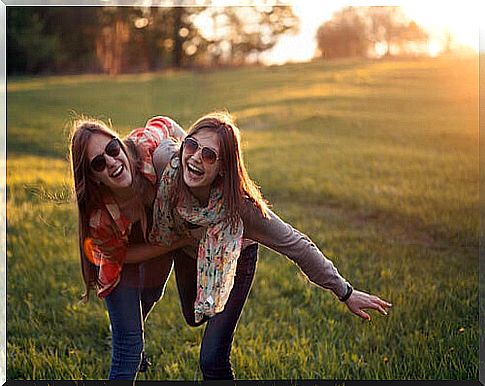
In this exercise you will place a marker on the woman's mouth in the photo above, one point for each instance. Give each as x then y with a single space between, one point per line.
195 171
117 172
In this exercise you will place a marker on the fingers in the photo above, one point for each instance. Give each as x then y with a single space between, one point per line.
365 315
377 304
380 309
380 305
374 306
362 314
384 303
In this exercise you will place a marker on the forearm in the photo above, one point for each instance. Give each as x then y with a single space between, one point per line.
141 252
274 233
163 153
179 133
176 130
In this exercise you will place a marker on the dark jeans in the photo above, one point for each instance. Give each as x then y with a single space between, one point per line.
129 304
142 285
219 332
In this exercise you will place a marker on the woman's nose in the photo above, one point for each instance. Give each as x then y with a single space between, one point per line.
197 156
110 160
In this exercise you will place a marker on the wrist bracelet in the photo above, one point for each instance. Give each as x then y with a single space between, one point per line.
350 289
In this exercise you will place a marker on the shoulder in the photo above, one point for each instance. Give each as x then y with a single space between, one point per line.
249 206
250 212
164 153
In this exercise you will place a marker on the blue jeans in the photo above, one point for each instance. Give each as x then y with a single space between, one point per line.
129 304
219 332
142 285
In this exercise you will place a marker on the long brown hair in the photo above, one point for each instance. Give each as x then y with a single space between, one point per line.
236 183
88 193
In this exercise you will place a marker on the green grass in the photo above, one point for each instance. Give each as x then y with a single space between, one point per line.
377 161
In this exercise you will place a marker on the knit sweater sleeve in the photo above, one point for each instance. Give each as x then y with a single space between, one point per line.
281 237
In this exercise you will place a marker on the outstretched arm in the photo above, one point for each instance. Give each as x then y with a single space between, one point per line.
275 234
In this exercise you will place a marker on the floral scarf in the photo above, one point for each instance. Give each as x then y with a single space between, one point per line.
218 249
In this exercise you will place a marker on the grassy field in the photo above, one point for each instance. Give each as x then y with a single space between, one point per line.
377 161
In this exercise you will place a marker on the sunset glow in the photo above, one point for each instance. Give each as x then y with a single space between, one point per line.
460 21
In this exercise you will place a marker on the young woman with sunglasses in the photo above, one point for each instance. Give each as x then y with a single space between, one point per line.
115 185
205 185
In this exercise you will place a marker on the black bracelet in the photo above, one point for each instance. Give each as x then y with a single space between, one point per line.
346 297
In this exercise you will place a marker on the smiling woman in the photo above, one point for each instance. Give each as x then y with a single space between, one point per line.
115 185
205 187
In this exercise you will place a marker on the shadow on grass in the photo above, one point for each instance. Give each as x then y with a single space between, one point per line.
36 141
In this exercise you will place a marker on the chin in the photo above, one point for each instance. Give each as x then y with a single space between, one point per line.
189 183
126 183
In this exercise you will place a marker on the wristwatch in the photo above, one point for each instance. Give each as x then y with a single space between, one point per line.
350 289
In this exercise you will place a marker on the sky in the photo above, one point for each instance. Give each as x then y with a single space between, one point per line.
460 18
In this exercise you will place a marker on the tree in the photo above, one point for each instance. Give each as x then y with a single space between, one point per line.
448 42
133 39
170 36
52 39
345 35
359 31
116 45
76 29
188 41
240 34
391 27
29 48
109 39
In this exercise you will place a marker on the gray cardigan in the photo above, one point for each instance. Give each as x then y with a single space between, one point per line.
277 235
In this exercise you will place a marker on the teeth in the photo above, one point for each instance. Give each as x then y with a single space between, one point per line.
118 170
194 169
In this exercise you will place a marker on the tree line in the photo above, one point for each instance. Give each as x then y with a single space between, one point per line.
369 32
134 39
118 40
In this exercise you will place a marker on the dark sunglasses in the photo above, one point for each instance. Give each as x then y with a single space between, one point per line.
112 149
191 146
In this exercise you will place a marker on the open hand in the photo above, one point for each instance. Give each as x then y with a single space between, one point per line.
359 301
